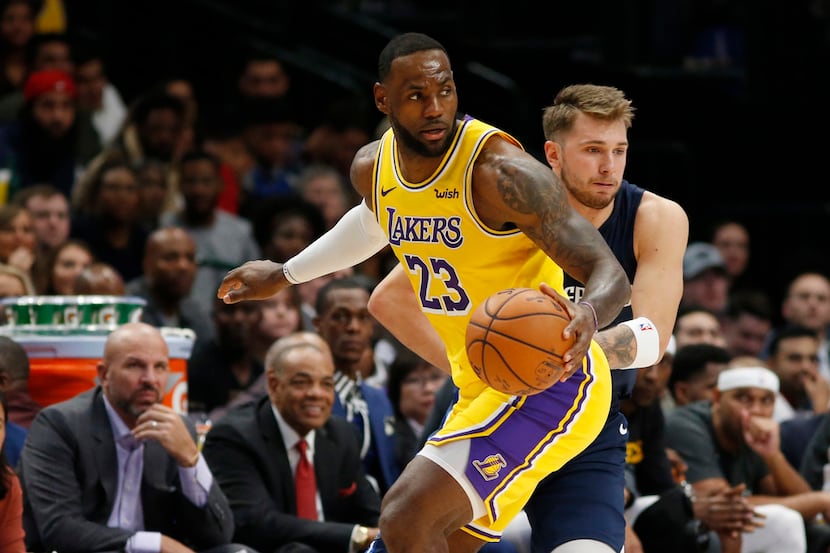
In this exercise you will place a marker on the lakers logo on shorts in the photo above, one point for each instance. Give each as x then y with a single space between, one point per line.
489 468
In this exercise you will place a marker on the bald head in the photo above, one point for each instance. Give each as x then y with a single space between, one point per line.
135 369
170 263
133 335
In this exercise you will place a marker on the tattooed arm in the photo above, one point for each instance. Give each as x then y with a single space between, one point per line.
511 189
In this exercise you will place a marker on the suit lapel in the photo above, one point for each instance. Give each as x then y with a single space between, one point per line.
104 446
280 468
325 455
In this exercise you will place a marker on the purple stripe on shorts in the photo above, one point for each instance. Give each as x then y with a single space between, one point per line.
513 445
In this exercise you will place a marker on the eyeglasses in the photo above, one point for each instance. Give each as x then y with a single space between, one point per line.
425 380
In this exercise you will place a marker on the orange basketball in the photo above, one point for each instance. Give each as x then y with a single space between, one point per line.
514 341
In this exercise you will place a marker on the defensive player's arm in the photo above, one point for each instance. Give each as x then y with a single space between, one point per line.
512 189
661 233
355 238
394 305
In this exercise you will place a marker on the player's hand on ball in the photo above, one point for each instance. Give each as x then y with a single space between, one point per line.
581 328
254 280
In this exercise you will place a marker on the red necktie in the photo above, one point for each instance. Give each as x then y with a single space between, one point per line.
306 485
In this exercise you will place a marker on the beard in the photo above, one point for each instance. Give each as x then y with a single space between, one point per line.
584 197
129 404
411 142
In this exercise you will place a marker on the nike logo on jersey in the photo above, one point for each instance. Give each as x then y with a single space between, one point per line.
623 429
383 192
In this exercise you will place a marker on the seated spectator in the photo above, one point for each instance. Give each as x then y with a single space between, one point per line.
64 265
256 448
49 211
180 87
649 475
17 238
695 371
344 322
308 294
154 196
344 128
284 226
97 96
273 135
107 219
152 132
99 279
731 238
14 282
705 280
21 409
807 303
411 387
734 440
43 144
696 324
126 467
11 496
793 356
169 269
223 240
326 188
279 316
747 323
222 367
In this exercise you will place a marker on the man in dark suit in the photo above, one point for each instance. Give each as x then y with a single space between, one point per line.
252 450
114 469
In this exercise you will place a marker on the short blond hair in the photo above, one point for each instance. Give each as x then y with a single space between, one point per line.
602 102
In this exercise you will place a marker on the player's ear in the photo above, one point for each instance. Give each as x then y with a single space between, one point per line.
380 98
552 154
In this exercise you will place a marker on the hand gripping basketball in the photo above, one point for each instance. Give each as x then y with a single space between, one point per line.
515 343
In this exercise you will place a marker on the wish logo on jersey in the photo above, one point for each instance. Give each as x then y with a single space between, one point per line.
433 230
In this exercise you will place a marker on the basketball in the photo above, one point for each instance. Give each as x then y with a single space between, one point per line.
514 341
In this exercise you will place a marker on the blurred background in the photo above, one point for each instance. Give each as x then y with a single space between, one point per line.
731 103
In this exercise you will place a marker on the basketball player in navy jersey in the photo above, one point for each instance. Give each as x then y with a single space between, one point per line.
580 507
586 146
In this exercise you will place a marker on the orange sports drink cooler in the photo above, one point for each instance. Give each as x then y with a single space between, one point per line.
62 366
64 338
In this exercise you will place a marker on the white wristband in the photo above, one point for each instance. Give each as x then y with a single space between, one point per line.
647 340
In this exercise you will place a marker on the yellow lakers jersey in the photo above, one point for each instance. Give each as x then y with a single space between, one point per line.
453 260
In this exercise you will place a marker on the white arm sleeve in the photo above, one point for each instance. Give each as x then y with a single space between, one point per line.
356 237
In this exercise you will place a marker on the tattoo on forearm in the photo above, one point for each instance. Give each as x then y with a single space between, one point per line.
617 346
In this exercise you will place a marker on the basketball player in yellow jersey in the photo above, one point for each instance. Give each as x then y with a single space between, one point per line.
467 212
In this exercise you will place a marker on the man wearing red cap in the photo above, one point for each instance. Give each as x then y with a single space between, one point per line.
42 145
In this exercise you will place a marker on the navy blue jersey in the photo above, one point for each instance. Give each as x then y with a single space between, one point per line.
618 232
